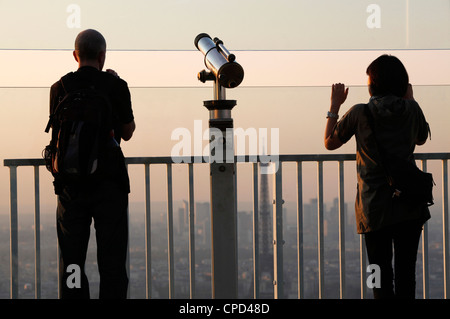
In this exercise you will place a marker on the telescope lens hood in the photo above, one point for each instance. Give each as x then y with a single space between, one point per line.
197 38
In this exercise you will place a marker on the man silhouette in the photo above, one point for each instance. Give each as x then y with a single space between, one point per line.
104 200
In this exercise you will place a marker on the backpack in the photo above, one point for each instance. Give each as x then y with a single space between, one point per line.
82 136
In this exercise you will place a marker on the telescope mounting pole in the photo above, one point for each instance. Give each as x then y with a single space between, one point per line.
223 199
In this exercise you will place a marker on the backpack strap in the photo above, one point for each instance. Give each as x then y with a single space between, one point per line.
55 110
63 87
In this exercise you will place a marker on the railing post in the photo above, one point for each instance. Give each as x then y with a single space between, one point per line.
37 235
191 232
58 267
278 241
445 239
256 269
425 274
127 266
13 226
300 288
362 261
170 232
148 236
320 239
341 231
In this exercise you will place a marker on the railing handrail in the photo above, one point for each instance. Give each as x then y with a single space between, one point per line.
238 159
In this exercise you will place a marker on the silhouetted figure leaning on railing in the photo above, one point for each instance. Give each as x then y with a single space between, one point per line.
390 124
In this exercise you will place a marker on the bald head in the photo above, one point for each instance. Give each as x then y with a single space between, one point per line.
90 45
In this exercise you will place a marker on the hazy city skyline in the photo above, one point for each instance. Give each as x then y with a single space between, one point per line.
202 241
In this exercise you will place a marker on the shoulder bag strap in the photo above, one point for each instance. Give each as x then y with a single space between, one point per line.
380 152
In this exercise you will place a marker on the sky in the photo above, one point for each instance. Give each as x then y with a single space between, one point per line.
291 51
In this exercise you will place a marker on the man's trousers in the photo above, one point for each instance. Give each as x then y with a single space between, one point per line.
105 203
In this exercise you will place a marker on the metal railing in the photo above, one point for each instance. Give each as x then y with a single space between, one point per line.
278 241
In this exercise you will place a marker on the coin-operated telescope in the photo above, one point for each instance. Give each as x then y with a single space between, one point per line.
226 74
223 69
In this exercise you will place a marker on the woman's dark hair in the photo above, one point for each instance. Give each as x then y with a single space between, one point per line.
387 76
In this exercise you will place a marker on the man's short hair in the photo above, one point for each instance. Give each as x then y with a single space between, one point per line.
387 75
89 44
